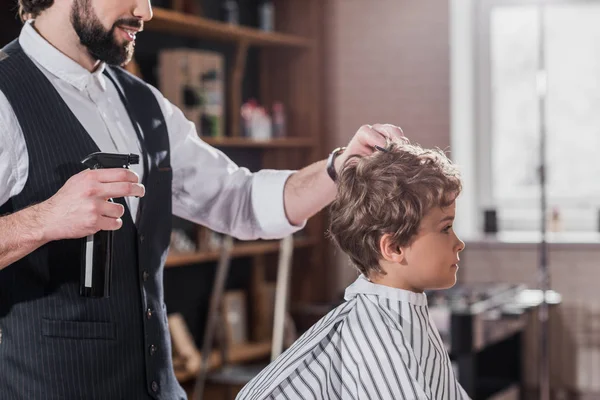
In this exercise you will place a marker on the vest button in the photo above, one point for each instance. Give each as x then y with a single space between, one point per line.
152 350
145 275
141 238
149 313
154 386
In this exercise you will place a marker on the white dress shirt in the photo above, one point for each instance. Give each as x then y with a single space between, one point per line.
380 344
208 188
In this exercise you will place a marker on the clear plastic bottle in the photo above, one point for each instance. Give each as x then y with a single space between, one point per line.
266 16
231 12
279 123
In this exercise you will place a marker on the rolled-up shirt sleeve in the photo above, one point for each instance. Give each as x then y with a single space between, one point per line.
211 190
14 160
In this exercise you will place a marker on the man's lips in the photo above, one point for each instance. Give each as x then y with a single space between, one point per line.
129 32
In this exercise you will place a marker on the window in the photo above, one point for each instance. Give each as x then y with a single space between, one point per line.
508 111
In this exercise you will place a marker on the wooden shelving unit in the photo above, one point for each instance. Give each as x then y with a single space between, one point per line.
243 142
240 250
289 71
176 23
241 37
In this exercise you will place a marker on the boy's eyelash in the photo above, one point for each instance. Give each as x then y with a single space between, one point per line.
447 229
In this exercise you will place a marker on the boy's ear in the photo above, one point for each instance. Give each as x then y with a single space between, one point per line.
389 250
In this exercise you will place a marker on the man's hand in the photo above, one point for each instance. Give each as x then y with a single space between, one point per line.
80 208
310 189
365 140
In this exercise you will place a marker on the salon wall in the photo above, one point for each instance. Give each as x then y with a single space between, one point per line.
386 61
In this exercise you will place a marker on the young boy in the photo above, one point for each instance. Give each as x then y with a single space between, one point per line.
393 216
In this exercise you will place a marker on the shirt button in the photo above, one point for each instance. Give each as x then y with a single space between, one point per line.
154 386
145 275
152 350
149 313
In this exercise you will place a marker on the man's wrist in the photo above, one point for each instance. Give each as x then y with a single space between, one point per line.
334 163
339 162
37 215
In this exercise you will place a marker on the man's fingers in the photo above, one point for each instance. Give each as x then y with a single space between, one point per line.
112 210
109 224
372 137
392 132
121 189
369 138
109 175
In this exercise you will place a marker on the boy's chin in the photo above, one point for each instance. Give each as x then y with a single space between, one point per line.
446 284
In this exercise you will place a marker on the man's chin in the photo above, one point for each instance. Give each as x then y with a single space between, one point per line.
127 60
124 45
122 58
128 54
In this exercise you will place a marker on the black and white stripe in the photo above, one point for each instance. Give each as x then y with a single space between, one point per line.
380 344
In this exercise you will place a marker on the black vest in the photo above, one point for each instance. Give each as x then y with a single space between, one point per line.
55 344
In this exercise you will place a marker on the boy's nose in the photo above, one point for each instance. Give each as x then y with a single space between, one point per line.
461 245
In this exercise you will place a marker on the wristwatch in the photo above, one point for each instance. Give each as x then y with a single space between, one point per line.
331 162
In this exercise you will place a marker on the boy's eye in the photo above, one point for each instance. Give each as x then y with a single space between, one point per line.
447 229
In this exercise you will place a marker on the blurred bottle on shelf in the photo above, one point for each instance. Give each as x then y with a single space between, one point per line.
266 16
279 120
231 12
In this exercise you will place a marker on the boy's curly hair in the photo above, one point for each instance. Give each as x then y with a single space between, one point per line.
388 192
33 8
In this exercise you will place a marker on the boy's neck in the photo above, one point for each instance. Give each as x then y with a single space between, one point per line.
394 281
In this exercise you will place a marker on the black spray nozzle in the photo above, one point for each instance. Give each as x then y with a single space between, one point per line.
109 160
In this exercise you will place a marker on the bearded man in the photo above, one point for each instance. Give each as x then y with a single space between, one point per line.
63 96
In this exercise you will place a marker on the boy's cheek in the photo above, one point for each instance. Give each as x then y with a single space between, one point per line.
440 277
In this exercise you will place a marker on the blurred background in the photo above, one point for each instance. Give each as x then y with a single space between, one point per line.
279 84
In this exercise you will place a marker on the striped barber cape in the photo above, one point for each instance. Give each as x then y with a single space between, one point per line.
379 344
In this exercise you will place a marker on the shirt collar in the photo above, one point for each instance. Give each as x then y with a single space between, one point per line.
363 286
57 63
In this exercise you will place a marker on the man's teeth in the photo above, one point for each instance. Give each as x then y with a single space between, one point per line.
130 32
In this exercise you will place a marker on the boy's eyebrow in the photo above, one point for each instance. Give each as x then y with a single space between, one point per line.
447 218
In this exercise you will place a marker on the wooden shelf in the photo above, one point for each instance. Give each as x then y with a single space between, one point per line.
240 250
238 354
177 23
244 142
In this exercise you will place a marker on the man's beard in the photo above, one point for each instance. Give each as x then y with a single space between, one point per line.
101 43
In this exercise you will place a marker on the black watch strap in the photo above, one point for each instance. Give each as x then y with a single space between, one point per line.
331 162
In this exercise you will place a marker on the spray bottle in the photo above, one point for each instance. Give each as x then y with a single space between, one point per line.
96 265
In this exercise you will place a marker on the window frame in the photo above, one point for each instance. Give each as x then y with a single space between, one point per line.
527 218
